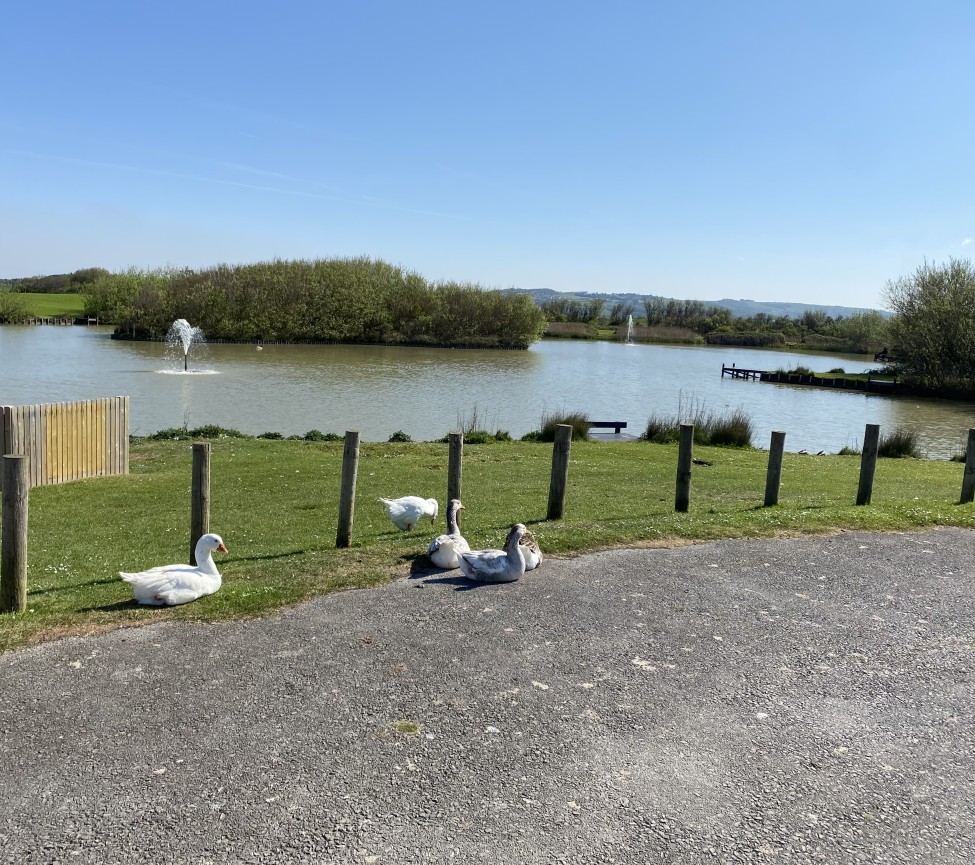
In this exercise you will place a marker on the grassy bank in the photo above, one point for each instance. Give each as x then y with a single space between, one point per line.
54 305
276 503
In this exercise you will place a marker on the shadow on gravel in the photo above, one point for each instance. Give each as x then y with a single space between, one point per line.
428 574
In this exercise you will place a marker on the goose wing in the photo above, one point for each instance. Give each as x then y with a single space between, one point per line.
488 566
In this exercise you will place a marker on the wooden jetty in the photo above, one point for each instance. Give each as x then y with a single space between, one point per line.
868 384
741 372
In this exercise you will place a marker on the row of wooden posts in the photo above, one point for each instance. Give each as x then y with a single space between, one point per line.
13 539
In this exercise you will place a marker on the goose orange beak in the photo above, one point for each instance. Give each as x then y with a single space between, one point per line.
223 549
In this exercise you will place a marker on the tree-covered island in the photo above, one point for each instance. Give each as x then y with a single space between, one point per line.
353 300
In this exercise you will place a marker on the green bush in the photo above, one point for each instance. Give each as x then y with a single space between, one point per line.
661 430
478 437
400 436
271 435
579 421
13 308
213 431
847 451
734 429
899 443
314 435
173 433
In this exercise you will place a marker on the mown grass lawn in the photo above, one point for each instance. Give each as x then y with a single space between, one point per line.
44 305
276 505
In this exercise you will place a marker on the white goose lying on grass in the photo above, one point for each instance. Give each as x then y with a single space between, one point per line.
407 511
444 550
179 584
497 566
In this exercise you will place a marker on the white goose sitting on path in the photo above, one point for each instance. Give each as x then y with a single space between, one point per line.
179 584
407 511
444 550
497 566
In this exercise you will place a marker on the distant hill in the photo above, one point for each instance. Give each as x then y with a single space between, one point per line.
740 308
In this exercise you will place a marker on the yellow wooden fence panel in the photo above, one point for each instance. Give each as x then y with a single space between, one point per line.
70 440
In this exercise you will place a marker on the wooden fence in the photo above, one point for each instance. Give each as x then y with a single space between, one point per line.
67 441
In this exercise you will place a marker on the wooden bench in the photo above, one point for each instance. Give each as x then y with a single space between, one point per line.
615 425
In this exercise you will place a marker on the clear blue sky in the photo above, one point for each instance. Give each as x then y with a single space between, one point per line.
801 150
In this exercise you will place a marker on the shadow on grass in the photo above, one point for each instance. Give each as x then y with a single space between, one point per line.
270 556
72 587
118 606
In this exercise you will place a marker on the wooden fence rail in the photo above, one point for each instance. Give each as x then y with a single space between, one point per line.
68 441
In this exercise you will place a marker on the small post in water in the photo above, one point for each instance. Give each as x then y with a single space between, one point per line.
455 467
200 513
685 452
560 471
773 479
968 479
13 536
350 468
868 463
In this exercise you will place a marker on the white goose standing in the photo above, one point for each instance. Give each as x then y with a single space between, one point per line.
497 566
179 584
444 550
407 511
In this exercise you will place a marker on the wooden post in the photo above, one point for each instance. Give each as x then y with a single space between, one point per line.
868 463
685 452
968 479
560 471
773 479
350 468
13 536
455 468
200 511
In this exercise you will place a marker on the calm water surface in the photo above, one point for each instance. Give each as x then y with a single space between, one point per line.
428 392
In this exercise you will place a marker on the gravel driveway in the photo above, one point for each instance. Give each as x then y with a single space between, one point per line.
801 700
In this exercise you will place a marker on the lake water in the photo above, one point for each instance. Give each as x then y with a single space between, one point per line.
428 392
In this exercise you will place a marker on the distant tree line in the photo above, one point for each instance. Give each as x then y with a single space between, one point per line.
860 332
341 300
56 283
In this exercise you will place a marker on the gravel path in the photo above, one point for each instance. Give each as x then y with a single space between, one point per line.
802 700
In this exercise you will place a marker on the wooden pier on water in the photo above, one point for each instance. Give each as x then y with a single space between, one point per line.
61 320
741 372
858 384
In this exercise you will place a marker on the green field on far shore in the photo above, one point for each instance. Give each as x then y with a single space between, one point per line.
54 305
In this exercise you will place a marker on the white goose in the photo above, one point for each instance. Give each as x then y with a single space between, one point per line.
497 566
407 511
179 584
444 550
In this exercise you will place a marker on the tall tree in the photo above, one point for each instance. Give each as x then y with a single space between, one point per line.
933 329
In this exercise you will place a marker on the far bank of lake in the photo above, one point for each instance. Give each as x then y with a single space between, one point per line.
427 392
